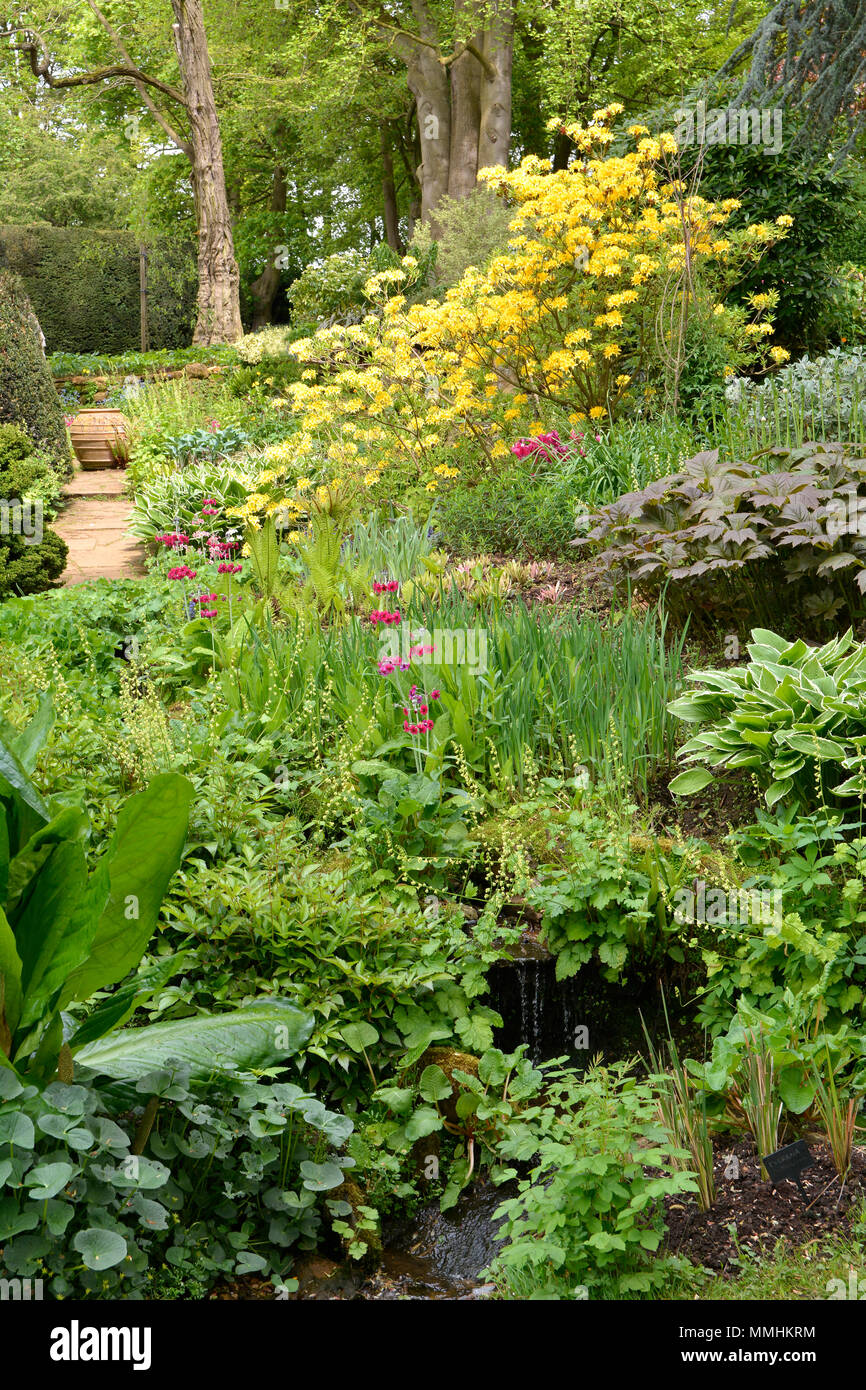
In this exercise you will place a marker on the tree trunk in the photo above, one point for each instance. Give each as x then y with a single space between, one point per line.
494 134
465 113
464 117
218 306
428 83
389 194
264 288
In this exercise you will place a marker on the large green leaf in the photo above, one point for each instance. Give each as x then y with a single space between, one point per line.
122 1002
144 853
28 744
258 1035
15 781
10 981
54 927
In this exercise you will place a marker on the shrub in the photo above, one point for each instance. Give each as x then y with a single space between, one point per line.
335 292
777 538
27 394
267 345
793 716
31 557
804 265
567 319
84 284
472 230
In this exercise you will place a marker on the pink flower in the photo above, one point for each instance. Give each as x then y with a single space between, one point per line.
181 572
434 694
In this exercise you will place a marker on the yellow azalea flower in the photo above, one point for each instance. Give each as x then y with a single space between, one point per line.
596 412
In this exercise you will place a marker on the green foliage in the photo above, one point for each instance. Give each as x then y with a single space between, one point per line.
32 558
803 265
808 956
333 292
818 398
65 932
354 949
27 394
614 901
472 230
84 284
793 715
471 1101
590 1211
228 1183
775 539
570 693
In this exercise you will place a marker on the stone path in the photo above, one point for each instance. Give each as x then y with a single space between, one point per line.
93 524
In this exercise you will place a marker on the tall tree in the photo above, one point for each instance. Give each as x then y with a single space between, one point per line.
811 55
218 307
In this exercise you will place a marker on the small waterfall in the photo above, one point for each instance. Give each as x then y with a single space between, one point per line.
577 1018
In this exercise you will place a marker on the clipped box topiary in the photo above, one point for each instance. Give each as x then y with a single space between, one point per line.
27 393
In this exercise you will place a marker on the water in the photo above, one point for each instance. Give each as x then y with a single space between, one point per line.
577 1018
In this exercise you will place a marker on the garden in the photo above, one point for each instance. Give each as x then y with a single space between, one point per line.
432 856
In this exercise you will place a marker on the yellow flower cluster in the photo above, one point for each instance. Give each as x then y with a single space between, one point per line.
566 316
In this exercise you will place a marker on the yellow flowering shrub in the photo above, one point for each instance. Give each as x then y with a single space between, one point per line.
573 315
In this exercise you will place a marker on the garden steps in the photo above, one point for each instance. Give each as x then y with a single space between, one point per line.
94 524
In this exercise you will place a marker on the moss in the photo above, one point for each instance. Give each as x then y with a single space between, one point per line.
349 1191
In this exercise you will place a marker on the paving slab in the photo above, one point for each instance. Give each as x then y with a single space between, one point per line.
94 525
96 482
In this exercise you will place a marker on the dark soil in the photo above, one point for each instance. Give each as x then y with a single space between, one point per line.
750 1214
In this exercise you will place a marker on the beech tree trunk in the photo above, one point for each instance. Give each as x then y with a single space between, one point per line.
494 133
465 113
264 288
218 305
463 103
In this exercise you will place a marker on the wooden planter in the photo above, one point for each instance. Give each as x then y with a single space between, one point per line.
99 438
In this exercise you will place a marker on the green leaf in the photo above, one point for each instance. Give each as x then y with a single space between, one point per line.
359 1035
121 1004
47 1179
16 1129
28 745
142 857
258 1035
54 928
687 783
10 977
423 1122
434 1084
321 1177
98 1248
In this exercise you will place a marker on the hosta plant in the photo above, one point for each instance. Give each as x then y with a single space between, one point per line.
778 538
793 716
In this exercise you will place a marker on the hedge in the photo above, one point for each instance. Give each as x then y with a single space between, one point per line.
84 286
27 393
